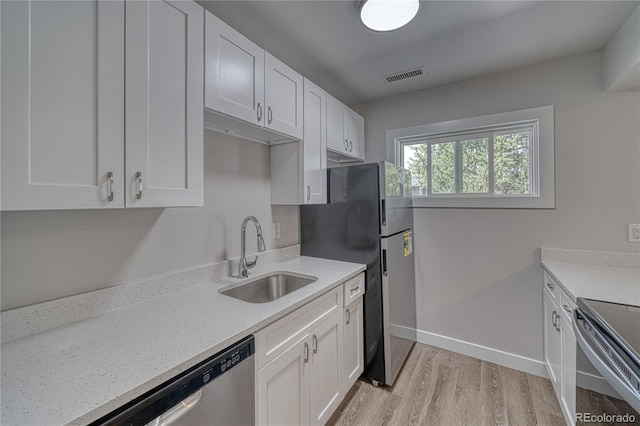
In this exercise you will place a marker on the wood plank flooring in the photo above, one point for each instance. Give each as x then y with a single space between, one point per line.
439 387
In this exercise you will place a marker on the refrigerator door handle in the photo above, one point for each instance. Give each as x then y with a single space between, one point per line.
384 263
383 212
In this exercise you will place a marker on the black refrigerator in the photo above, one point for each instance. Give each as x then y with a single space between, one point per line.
368 219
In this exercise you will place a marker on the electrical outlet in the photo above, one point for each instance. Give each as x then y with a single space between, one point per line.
634 233
276 230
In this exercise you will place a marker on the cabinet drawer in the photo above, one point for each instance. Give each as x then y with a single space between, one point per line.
566 306
552 287
353 289
278 336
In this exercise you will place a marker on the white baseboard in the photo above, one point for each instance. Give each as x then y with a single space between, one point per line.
517 362
595 383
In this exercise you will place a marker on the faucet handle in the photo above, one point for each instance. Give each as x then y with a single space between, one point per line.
252 262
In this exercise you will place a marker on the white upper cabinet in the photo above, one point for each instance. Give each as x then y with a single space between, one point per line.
246 83
234 74
299 169
345 132
283 94
164 98
62 105
64 100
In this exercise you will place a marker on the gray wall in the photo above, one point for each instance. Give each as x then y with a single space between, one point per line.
478 273
52 254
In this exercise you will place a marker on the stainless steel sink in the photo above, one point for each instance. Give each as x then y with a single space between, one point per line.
269 288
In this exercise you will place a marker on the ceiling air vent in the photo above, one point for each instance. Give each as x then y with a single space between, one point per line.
403 75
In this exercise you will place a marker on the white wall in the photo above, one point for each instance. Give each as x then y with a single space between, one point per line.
622 56
478 273
52 254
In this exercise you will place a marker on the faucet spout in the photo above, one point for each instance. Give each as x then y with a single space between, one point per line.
244 265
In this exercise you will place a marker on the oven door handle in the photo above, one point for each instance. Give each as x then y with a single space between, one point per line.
613 377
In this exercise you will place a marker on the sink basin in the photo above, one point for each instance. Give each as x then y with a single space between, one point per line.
269 288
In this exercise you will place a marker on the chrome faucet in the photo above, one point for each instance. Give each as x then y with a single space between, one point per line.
245 264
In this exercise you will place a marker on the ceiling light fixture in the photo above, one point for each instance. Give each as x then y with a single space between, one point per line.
388 15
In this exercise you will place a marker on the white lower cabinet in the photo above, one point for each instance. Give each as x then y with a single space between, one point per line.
282 388
353 361
560 346
306 363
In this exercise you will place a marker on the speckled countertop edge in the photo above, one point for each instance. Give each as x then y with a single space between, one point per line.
77 373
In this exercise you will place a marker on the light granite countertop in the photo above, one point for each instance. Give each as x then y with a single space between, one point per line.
77 373
608 276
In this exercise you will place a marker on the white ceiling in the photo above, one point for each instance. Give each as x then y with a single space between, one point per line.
453 40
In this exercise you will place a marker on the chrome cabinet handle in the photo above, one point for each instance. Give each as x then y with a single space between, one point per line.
315 344
553 320
139 179
269 115
259 110
348 316
350 146
557 322
550 286
308 192
355 290
110 179
306 352
346 144
566 309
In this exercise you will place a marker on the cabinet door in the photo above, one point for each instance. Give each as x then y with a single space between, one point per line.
568 371
164 118
314 144
283 93
234 72
552 354
356 135
336 131
326 347
353 355
282 387
62 97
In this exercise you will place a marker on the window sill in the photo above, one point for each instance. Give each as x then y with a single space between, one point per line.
484 202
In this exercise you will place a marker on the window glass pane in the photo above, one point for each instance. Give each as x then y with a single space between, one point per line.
443 168
415 160
475 166
511 162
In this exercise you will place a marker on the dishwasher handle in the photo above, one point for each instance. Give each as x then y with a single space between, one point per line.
174 414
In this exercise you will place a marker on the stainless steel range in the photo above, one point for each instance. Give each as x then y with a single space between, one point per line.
609 334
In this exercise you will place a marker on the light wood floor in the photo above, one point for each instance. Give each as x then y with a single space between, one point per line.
439 387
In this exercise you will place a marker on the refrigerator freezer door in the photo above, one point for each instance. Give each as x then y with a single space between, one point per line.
395 199
398 301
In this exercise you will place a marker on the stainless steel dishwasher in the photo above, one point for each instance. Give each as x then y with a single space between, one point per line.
218 391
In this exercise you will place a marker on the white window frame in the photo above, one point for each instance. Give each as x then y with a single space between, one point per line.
541 157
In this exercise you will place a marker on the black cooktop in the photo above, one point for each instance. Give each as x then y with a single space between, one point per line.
621 322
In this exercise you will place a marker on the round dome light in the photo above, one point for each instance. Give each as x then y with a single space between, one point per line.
388 15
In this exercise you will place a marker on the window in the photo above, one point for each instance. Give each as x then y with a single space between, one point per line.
502 160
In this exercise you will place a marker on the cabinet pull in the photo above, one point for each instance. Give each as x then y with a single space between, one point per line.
269 115
348 317
306 352
308 192
553 320
346 145
139 179
315 344
110 179
350 146
567 309
550 286
355 290
259 110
